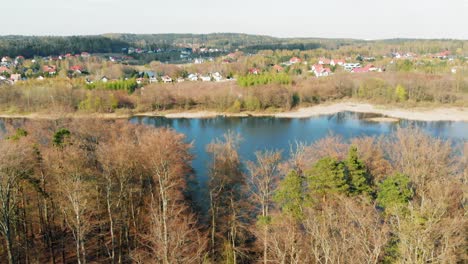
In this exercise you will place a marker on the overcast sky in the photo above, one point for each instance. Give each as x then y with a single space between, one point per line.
364 19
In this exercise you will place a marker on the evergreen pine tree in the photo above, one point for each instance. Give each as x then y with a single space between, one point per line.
357 175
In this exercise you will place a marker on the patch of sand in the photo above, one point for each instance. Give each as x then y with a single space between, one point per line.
389 114
421 114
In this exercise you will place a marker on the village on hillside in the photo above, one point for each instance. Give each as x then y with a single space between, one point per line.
216 65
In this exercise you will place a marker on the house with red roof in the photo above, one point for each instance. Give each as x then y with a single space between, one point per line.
254 71
278 68
324 61
444 54
4 69
321 71
367 68
295 60
335 62
15 77
49 69
76 68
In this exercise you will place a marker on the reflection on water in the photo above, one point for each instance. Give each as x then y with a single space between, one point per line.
259 133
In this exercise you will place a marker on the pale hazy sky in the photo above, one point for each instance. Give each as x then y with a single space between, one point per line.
364 19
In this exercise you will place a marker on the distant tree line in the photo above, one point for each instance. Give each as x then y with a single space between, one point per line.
30 46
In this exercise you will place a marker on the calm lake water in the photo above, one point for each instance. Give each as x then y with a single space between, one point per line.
260 133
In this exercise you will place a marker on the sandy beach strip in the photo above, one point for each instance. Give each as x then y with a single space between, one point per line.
389 113
420 114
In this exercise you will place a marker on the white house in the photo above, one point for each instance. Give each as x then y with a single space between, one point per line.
351 66
198 61
166 79
320 71
192 77
205 78
217 76
15 77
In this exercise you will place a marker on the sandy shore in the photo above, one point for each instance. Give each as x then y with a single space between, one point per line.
389 114
421 114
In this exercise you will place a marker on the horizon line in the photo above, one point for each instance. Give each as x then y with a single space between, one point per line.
234 33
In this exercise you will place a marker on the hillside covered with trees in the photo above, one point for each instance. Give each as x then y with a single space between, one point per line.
29 46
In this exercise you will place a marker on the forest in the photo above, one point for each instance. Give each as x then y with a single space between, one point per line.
30 46
93 191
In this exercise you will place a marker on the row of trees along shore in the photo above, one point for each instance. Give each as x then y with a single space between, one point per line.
268 94
90 191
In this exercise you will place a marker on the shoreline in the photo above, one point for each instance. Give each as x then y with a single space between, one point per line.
459 114
388 113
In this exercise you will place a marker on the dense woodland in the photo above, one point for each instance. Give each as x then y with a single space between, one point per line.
30 46
89 191
44 46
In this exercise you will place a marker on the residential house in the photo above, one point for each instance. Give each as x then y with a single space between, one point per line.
51 70
4 69
205 78
19 60
367 68
166 79
15 77
324 61
217 76
321 71
6 59
443 54
77 69
335 62
295 60
278 68
40 78
351 66
254 71
180 79
152 76
104 79
192 77
198 61
397 55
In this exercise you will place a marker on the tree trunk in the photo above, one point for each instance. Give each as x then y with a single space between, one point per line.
8 243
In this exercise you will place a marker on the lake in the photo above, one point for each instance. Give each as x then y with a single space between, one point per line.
260 133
